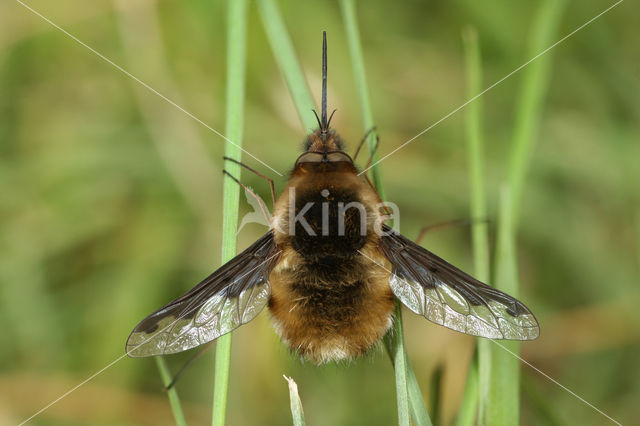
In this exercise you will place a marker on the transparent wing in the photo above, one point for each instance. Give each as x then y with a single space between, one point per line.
432 287
231 296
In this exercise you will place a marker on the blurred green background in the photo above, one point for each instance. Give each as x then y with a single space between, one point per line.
111 200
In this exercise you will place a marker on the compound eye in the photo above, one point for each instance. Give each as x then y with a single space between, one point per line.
310 157
338 156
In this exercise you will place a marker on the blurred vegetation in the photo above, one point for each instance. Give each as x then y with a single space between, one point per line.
111 200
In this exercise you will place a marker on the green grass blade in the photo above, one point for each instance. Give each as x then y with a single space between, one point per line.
296 404
394 343
174 400
417 406
285 55
236 59
353 39
477 385
408 390
532 94
475 146
468 411
435 398
503 404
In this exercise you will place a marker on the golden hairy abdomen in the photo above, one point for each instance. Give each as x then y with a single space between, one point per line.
329 321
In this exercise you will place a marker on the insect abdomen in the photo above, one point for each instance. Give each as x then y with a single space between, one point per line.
328 312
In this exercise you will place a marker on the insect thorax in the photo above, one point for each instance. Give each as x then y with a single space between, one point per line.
327 224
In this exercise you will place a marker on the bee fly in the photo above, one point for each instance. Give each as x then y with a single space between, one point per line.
329 272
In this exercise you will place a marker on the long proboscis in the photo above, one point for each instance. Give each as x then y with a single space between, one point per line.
324 81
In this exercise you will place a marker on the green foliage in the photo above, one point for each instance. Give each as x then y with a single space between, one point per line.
236 59
112 198
498 390
503 401
474 397
174 400
282 49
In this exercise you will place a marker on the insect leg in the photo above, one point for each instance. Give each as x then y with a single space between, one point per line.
186 365
373 153
271 186
250 191
456 222
387 212
364 138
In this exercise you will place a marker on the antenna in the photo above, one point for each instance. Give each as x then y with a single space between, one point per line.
325 125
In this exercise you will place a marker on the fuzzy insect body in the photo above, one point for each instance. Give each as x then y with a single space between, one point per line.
329 300
329 272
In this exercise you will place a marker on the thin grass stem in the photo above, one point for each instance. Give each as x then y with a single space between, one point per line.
529 104
285 55
468 411
236 61
172 393
357 60
435 397
503 402
477 384
394 344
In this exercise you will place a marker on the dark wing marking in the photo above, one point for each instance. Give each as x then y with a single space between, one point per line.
430 286
231 296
